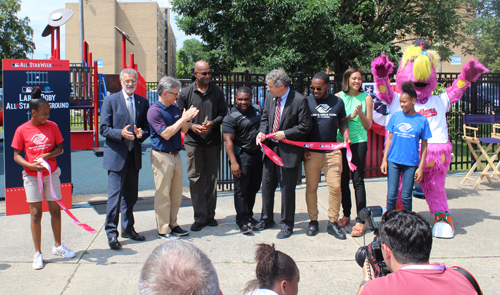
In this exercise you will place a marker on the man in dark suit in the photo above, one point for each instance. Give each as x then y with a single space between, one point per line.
286 114
125 126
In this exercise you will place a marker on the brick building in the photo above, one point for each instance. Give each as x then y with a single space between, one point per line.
147 25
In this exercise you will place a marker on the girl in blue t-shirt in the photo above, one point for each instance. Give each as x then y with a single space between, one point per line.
401 155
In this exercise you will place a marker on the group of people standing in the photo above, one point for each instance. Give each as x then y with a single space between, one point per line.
199 111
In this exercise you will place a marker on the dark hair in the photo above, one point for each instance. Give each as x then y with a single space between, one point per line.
36 93
244 89
272 266
347 76
322 76
409 237
409 88
36 99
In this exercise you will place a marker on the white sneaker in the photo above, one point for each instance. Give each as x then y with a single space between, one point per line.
38 261
62 251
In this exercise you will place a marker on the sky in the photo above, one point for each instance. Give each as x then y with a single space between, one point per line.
38 12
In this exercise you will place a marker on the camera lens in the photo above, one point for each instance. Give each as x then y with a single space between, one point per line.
361 255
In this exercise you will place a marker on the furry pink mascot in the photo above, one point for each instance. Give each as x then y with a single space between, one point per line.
418 65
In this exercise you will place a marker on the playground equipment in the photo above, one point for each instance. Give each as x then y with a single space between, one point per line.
57 18
141 81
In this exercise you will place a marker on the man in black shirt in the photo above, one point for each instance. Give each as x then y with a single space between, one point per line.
203 143
327 112
239 129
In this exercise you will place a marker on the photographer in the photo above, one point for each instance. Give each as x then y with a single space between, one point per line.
406 240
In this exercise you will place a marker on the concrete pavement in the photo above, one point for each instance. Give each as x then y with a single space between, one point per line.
326 264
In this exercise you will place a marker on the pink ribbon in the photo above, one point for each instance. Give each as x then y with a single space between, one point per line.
322 146
39 176
272 155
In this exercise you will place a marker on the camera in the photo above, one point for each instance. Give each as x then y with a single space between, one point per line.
372 215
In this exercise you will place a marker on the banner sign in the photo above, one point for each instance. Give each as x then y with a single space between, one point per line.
20 77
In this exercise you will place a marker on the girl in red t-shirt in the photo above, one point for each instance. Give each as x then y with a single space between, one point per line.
41 138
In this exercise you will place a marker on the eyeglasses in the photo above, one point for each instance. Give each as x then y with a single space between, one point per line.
317 88
206 73
174 94
129 81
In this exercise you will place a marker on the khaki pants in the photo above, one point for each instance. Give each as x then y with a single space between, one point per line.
331 163
167 170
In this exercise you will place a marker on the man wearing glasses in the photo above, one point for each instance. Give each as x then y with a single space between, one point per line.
327 113
203 143
166 122
125 127
285 115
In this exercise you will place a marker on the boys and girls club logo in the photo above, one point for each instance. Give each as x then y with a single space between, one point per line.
404 127
39 139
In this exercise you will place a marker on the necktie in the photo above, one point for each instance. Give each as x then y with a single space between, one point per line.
277 115
130 108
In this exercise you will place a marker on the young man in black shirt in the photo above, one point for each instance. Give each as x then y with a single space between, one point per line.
239 129
327 113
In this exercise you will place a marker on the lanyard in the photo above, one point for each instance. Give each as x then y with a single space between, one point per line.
423 267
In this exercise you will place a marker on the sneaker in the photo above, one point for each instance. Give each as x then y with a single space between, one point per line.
62 251
38 261
179 231
253 221
245 229
443 226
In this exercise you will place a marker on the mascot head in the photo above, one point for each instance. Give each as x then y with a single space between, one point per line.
418 65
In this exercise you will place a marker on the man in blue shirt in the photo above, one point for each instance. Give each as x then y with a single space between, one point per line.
165 121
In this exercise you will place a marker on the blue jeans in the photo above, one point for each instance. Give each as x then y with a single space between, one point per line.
395 171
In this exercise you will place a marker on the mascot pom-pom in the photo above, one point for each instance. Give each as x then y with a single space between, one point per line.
418 65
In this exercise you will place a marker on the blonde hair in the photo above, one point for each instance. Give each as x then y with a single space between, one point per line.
422 61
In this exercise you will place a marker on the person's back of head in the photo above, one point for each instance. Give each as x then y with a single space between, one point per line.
408 235
275 271
178 267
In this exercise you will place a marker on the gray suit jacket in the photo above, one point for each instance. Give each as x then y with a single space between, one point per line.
114 117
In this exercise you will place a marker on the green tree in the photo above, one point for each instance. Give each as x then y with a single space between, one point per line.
16 36
483 29
183 65
192 51
311 35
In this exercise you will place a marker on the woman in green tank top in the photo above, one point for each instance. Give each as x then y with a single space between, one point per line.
358 107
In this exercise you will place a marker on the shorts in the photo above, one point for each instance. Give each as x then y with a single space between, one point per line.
31 187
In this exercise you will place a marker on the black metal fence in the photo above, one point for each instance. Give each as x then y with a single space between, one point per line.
482 97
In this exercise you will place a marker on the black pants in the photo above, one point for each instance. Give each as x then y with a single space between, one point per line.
122 195
202 168
273 175
358 179
247 186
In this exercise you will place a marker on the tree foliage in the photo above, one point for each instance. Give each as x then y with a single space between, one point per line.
311 35
16 36
483 31
192 51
